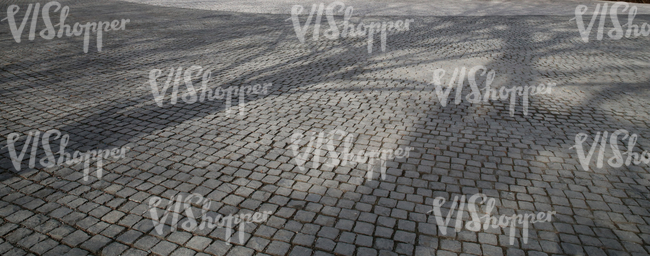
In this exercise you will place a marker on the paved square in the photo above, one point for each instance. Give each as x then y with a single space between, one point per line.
245 163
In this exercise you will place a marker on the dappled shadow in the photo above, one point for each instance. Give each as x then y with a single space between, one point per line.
107 102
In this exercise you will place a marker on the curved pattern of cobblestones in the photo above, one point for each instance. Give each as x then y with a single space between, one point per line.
244 164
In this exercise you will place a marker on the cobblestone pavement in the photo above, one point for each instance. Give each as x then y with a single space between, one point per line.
245 164
400 8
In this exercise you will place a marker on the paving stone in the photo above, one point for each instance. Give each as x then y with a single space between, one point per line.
58 250
198 243
218 248
300 251
146 242
183 251
179 237
257 243
135 252
129 236
44 246
240 250
278 248
95 243
304 239
325 244
450 245
114 249
75 238
164 248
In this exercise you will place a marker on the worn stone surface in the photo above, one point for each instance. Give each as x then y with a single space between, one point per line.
386 99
